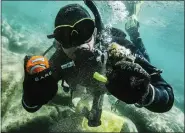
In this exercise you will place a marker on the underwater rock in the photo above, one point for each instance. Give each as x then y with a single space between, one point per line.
17 46
6 30
68 121
74 122
5 42
17 41
179 102
147 121
111 123
12 66
34 51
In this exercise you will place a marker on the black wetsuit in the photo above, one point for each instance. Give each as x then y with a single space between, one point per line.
74 75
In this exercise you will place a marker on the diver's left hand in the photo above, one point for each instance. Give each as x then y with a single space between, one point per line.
128 82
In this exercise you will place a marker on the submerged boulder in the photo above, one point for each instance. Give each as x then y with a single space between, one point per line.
111 122
16 40
147 121
5 42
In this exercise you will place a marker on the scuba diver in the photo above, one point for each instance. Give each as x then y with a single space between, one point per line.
83 57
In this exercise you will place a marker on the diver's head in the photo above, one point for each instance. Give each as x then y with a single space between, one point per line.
74 29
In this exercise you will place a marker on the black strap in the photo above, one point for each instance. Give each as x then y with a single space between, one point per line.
48 50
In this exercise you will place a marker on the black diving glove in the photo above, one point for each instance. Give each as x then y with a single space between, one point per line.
38 86
128 82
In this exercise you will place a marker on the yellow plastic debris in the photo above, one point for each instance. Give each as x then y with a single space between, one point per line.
99 77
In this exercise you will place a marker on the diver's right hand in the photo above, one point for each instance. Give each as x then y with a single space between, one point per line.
39 85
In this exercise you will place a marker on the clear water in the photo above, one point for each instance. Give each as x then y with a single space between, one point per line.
161 27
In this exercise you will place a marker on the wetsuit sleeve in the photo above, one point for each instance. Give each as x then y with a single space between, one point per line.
162 94
160 97
141 48
136 45
28 105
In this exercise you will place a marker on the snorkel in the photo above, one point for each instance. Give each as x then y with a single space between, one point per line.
98 20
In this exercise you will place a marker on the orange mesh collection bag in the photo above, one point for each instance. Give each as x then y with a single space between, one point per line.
37 64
